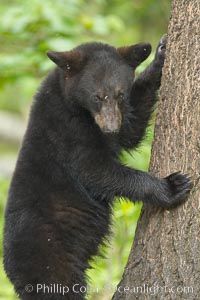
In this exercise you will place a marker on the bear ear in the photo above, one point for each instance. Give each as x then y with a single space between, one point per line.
135 54
67 60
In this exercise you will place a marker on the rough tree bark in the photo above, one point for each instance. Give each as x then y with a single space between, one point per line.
164 262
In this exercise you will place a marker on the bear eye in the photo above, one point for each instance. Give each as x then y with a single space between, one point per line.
97 99
121 97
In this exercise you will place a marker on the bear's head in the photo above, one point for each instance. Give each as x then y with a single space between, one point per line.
99 77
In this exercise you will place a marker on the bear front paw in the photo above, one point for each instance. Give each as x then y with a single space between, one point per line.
180 186
162 44
160 51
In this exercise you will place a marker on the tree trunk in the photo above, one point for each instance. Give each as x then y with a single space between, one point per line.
164 262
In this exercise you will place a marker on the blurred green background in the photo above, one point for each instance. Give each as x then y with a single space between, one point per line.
28 29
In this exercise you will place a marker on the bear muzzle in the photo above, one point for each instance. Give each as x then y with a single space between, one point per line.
109 118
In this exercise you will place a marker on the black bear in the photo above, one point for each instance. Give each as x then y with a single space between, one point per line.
68 172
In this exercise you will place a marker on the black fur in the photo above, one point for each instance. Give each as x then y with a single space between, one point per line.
68 171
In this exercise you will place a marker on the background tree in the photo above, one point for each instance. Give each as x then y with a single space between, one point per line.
166 254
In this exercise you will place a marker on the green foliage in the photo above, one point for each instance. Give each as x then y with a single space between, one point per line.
28 29
62 25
